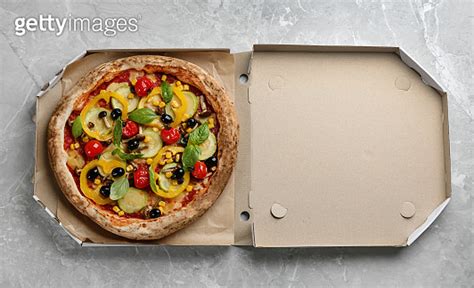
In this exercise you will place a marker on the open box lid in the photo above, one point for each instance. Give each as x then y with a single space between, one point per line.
349 147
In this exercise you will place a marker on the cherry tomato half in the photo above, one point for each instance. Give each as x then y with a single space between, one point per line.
170 135
141 178
200 170
93 148
142 86
130 129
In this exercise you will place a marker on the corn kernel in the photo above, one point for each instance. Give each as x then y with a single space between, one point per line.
178 83
129 168
189 188
186 87
168 155
178 156
211 121
149 161
147 139
116 209
155 103
130 96
189 130
174 104
168 174
76 145
169 161
163 78
72 146
97 181
162 162
162 203
162 104
134 81
156 129
121 213
85 139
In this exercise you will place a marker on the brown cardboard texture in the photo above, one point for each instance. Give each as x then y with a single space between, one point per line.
339 146
348 148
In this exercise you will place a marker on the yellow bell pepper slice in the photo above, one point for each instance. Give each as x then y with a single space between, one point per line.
103 95
174 190
106 166
181 110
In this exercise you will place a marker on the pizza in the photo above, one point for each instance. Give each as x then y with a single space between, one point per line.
143 145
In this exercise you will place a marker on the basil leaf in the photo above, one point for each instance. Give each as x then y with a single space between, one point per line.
143 115
125 156
190 156
152 179
199 135
166 92
118 132
77 127
119 188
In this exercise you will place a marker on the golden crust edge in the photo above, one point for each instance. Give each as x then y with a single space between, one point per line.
151 229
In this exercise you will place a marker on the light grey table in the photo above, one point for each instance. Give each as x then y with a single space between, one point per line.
35 252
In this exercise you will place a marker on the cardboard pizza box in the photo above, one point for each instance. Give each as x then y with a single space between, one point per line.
339 146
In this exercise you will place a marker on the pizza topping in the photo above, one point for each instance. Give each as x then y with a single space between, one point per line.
130 129
142 86
166 118
105 191
143 115
141 177
77 127
211 162
116 113
133 144
208 147
170 135
102 114
134 115
117 172
178 174
92 173
93 148
204 111
119 188
94 126
126 92
199 135
151 143
133 201
200 170
166 92
190 156
126 156
75 160
155 213
191 123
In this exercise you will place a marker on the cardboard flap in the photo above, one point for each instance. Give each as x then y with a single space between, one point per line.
347 148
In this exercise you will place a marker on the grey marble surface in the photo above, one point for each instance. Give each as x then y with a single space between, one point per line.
35 252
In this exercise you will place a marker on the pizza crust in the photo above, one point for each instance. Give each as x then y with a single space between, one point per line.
227 139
